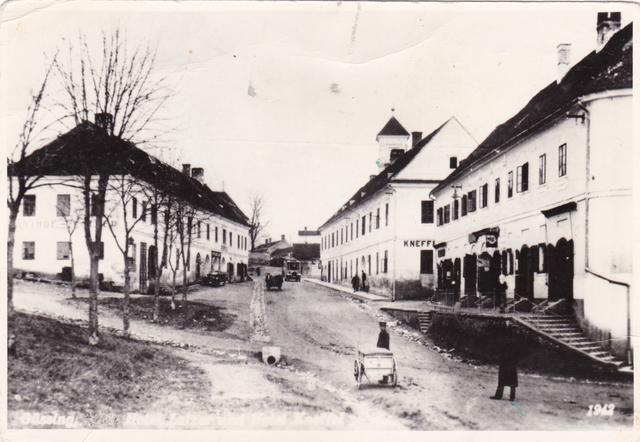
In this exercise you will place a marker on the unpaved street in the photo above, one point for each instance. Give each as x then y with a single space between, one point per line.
318 331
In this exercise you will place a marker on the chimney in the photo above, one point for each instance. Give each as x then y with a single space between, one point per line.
564 60
197 173
104 120
186 169
415 137
282 237
607 25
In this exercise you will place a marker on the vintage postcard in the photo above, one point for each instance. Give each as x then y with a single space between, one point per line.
326 216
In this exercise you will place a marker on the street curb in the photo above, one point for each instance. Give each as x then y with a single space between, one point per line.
347 292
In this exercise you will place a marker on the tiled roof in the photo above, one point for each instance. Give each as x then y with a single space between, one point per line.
393 127
608 69
89 149
378 182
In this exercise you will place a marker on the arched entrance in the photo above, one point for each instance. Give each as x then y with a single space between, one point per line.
230 269
524 274
207 264
485 277
152 262
470 274
198 266
560 265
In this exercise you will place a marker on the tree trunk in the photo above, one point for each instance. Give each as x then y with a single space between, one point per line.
125 300
94 289
173 291
156 283
11 238
73 270
185 289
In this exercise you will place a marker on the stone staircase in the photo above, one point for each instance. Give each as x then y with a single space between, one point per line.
424 321
566 330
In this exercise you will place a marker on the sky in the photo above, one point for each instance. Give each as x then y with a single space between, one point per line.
286 98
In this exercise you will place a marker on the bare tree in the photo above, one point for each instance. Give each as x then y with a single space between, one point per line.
257 222
123 189
71 219
23 177
185 218
119 86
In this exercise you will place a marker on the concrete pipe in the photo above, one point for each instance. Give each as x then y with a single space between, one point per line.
270 355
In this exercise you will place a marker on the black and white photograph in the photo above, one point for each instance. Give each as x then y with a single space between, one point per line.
361 216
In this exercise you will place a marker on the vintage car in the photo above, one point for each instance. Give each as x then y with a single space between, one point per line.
293 270
215 279
273 281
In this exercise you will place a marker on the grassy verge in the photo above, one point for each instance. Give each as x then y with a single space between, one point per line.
199 316
55 371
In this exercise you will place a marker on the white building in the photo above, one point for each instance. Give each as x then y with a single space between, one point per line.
386 229
220 229
546 199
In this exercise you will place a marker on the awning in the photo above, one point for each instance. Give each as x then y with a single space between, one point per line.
567 207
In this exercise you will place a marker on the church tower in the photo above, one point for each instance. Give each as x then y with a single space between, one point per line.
393 141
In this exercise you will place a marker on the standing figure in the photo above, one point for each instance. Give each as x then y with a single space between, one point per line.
355 283
501 293
364 282
507 369
383 336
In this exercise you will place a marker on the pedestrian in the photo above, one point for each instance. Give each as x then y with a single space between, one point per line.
383 336
501 293
364 282
507 368
355 283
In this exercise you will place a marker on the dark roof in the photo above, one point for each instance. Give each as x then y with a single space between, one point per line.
267 245
393 127
281 252
88 149
608 69
378 182
306 252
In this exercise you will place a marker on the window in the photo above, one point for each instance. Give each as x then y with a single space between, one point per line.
351 230
333 239
510 184
385 262
471 201
386 214
377 263
522 178
496 191
464 205
370 221
453 162
542 169
230 239
28 250
427 212
239 244
63 205
426 262
143 215
224 236
364 227
132 257
341 236
29 205
63 250
446 214
215 233
208 232
456 209
562 160
369 264
484 195
439 221
378 218
134 207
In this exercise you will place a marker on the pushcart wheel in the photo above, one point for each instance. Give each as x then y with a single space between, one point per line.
355 370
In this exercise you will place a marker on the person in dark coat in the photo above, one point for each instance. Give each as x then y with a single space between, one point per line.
355 283
507 369
383 336
364 281
501 293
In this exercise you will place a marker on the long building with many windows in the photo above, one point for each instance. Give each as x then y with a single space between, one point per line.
386 230
545 202
43 245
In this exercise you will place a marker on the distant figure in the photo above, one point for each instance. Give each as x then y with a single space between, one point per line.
363 280
355 283
258 271
383 336
507 369
501 293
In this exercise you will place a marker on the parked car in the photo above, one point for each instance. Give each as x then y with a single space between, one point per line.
215 279
273 281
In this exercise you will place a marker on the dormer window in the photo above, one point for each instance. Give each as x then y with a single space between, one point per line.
453 162
395 154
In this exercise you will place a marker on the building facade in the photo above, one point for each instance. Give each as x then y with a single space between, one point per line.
545 202
386 230
43 244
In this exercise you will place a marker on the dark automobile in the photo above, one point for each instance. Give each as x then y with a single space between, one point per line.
215 279
273 281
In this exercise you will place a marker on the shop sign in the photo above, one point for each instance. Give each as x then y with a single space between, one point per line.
421 243
491 241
